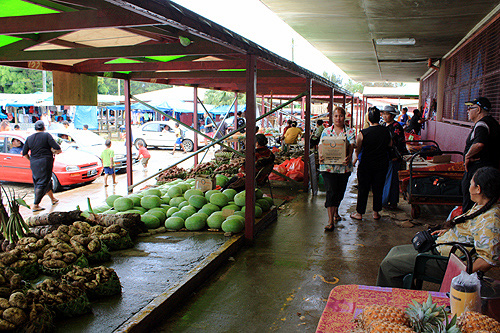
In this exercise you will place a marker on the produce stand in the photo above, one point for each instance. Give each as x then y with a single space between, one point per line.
346 302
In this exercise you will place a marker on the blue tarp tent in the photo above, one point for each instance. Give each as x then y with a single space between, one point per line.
223 109
86 115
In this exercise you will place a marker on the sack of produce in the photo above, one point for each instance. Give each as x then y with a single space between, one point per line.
101 255
62 298
97 282
25 264
55 267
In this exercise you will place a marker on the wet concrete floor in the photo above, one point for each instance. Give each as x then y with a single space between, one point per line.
282 282
155 264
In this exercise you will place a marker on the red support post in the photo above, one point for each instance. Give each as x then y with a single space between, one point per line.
236 110
128 133
195 123
302 101
352 110
307 130
251 101
344 101
330 107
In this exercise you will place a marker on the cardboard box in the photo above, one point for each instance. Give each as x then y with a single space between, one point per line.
441 159
333 150
204 183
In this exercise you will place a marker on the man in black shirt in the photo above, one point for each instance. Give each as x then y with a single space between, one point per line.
482 147
240 121
41 147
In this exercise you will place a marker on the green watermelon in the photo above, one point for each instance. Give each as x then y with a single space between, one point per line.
174 223
101 209
230 193
183 204
141 209
184 187
258 193
111 199
172 210
191 192
165 206
197 201
239 199
232 207
204 216
174 191
212 207
189 209
165 199
258 211
151 221
264 204
182 214
232 225
174 202
195 223
219 199
159 214
209 193
240 213
150 201
152 191
270 200
215 220
123 204
135 198
221 180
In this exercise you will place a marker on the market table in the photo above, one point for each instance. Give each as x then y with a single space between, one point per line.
346 302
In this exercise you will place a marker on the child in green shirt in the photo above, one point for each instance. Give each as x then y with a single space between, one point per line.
107 157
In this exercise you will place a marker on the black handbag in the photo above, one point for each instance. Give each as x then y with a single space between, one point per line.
423 241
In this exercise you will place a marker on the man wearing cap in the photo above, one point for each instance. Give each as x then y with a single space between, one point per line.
390 195
42 147
482 147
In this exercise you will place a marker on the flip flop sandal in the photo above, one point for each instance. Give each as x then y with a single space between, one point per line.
55 202
378 217
354 217
337 218
37 209
329 227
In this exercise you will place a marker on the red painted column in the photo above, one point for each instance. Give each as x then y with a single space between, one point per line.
236 110
330 107
344 102
307 130
195 123
352 110
251 101
128 132
302 101
263 111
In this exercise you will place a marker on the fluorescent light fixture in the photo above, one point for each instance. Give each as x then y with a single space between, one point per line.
395 41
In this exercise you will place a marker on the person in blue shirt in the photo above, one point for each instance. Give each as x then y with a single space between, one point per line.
17 147
403 117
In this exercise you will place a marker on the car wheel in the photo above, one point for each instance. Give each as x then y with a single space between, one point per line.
56 186
142 141
188 144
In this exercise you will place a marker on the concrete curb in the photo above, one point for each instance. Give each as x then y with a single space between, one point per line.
157 310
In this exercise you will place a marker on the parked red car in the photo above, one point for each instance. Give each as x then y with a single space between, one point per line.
70 167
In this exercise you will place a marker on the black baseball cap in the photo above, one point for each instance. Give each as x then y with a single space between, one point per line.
483 103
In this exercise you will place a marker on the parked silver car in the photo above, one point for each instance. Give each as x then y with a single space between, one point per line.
92 143
161 134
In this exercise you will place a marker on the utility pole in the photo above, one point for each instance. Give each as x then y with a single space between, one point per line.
44 81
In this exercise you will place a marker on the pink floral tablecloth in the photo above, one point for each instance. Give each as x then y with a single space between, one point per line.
346 302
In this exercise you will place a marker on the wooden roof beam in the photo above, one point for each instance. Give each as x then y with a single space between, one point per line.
70 21
198 48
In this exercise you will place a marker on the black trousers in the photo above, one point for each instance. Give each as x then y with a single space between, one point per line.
374 179
335 185
41 169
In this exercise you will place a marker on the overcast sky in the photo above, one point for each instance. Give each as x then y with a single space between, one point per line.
253 20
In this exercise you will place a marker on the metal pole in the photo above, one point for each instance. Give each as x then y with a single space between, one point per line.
195 122
128 132
308 133
251 101
330 107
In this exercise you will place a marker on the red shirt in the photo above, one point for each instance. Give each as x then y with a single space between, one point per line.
144 152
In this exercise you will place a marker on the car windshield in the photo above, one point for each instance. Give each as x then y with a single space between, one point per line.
87 138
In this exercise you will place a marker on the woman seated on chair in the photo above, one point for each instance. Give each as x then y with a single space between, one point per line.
264 163
480 227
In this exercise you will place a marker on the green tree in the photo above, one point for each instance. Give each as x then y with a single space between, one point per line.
219 97
22 81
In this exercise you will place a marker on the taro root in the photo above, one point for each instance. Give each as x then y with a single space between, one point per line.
16 282
94 246
53 263
19 264
112 229
4 292
56 255
8 258
63 228
2 280
69 257
15 316
5 325
4 303
63 247
18 300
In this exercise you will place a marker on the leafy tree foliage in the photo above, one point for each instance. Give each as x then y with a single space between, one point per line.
219 97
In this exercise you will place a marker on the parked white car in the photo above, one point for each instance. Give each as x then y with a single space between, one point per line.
161 134
92 143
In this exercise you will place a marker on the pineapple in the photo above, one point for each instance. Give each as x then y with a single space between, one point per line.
471 322
425 316
447 326
388 314
380 326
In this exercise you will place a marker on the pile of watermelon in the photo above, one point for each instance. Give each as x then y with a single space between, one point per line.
178 205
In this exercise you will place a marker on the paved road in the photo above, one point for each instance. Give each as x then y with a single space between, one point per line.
70 198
